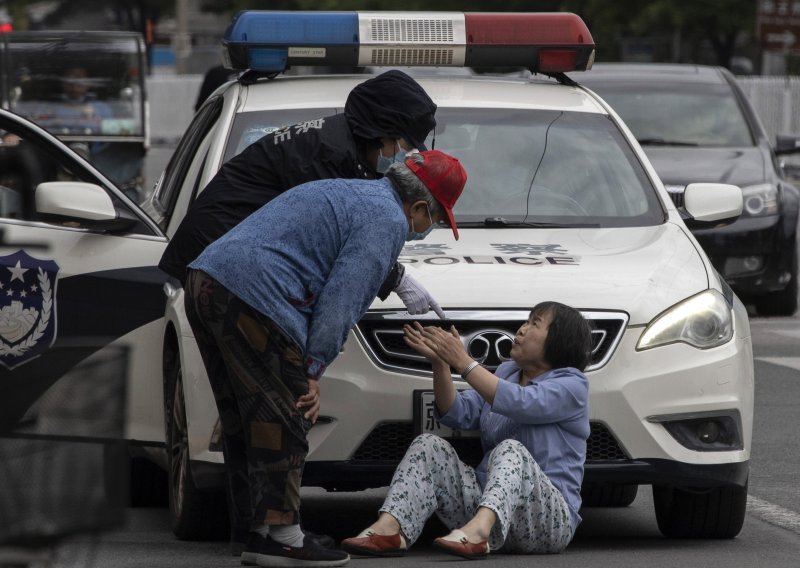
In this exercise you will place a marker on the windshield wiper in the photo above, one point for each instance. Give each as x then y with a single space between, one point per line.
663 142
503 222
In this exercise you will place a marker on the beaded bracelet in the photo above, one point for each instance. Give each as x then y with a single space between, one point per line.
468 369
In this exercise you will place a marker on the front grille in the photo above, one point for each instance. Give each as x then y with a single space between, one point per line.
602 445
487 336
389 441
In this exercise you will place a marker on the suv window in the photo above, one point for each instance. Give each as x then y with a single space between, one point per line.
76 85
679 114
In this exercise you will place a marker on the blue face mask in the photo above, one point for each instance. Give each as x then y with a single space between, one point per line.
414 235
384 162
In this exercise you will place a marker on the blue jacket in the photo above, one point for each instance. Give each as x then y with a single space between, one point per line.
549 416
312 259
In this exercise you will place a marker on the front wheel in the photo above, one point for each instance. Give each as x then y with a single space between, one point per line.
716 512
195 514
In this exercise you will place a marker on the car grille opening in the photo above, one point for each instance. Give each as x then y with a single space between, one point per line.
602 445
487 336
389 441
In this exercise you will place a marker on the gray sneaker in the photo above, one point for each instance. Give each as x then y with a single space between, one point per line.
249 550
271 554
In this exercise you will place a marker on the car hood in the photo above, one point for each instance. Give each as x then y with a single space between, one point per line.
639 270
681 166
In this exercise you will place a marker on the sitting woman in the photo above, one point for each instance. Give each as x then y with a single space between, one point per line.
533 418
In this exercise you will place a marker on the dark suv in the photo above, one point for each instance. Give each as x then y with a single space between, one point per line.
696 125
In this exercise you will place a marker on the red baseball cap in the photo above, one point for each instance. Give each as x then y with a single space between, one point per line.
445 178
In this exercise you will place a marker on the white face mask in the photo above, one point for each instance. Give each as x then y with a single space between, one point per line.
384 162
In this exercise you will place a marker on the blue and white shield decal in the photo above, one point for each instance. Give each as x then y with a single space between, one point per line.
27 307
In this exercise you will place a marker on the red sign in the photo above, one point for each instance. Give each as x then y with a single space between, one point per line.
779 25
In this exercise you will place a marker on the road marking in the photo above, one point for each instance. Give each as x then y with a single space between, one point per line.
773 514
791 362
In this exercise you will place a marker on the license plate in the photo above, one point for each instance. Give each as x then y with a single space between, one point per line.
425 420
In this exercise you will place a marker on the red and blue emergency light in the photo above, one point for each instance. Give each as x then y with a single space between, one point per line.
270 41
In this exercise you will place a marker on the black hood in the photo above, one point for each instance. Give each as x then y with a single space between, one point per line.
681 166
391 105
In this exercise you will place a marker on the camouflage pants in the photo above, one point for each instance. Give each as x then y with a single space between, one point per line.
256 372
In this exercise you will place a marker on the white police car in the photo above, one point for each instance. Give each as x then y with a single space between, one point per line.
561 204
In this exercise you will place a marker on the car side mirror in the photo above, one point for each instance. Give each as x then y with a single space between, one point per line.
709 205
787 144
79 204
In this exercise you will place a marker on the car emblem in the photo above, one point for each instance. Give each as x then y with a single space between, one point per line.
27 307
490 347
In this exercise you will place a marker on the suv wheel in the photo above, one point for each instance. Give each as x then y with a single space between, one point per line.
783 302
195 514
716 512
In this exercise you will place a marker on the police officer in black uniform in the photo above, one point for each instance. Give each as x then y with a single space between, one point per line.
378 113
383 117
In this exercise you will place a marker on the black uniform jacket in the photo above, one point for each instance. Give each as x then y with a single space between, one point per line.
321 149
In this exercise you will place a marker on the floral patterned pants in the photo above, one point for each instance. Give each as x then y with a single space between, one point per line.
532 515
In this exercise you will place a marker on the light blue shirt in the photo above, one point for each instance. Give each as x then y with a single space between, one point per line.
549 416
313 259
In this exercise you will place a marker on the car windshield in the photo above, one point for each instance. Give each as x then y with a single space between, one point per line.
76 86
678 114
525 167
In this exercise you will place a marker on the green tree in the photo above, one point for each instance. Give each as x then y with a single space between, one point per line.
691 26
722 23
694 24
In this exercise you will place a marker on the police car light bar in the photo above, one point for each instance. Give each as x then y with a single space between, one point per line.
270 41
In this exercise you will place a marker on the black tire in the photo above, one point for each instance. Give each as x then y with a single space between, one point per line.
194 514
716 512
608 495
783 302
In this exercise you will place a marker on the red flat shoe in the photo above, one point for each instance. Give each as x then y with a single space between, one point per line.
456 543
370 544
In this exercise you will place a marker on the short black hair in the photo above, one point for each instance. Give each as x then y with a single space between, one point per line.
569 337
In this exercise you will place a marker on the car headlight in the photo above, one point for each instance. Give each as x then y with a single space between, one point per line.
702 321
760 200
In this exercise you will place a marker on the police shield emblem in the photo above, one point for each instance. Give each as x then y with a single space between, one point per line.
27 307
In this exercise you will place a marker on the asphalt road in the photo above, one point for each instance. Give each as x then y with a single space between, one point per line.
626 537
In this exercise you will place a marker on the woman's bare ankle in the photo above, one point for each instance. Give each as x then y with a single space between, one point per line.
480 526
385 525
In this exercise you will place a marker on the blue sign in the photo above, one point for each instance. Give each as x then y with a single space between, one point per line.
27 307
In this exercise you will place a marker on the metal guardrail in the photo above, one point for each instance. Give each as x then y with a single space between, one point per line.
777 101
